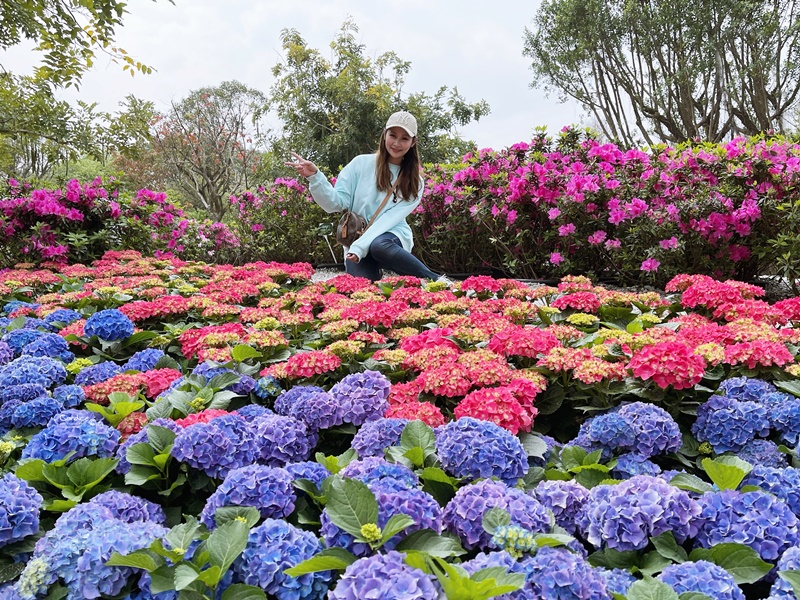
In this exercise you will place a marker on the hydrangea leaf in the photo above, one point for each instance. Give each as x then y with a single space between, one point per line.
418 434
652 563
792 577
141 454
495 517
160 438
614 559
666 545
651 589
351 505
11 572
443 545
725 476
572 456
243 352
553 540
792 387
226 543
185 575
535 447
691 483
242 591
250 514
742 562
395 525
694 596
330 559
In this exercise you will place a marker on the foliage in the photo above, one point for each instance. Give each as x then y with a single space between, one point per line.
334 109
671 71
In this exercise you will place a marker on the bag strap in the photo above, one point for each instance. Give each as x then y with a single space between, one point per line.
380 208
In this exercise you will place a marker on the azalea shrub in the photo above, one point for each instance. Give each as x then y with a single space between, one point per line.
244 431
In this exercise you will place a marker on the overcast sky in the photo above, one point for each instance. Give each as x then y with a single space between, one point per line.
473 46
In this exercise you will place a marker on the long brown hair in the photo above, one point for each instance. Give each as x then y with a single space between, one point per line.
408 186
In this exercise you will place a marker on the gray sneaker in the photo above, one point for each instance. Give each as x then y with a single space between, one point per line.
445 280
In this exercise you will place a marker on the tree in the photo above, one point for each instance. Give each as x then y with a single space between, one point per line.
670 71
332 110
210 141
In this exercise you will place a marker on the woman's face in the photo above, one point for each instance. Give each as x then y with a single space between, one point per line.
398 142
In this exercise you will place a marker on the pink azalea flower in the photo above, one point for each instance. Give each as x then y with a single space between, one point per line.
556 258
650 265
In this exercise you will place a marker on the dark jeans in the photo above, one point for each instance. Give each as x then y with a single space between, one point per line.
386 252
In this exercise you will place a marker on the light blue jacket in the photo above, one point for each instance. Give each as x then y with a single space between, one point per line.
356 190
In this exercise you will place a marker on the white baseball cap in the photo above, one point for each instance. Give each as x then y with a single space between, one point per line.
405 120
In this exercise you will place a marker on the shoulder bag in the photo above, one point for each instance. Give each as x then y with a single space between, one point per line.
352 225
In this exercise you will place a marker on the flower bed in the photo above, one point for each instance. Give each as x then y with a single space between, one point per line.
243 431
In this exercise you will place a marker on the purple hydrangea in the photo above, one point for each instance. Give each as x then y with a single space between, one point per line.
617 580
284 403
23 392
144 360
377 471
6 353
384 576
73 431
609 432
375 436
19 338
746 389
756 519
19 509
729 424
273 547
109 325
318 410
484 560
313 471
783 483
558 574
764 453
782 589
216 447
415 503
281 440
36 413
64 316
785 420
703 577
267 387
565 499
129 508
44 370
363 396
268 489
123 466
629 465
463 515
475 449
656 432
69 396
97 373
253 411
624 516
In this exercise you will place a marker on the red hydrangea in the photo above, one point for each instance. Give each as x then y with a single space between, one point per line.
497 405
668 363
131 424
157 380
583 301
758 353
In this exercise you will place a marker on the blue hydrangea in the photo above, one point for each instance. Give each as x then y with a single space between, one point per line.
318 410
475 449
419 505
558 574
123 466
764 453
52 345
656 432
19 509
208 371
783 483
65 316
624 516
36 413
756 519
253 411
98 373
73 431
377 471
313 471
19 338
268 489
144 360
632 464
273 547
488 560
281 440
284 403
267 387
565 499
109 325
35 323
609 432
782 589
216 447
22 392
27 369
463 515
746 389
6 413
13 305
70 396
617 580
129 508
375 436
384 576
729 424
703 577
363 396
786 421
6 353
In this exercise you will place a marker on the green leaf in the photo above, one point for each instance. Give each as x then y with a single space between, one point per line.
222 381
162 579
443 545
572 456
395 525
694 596
724 476
351 505
243 352
250 514
11 571
31 470
160 438
691 483
791 387
553 540
140 559
653 563
181 536
242 591
85 473
418 434
651 589
739 560
668 547
416 455
535 447
185 575
330 559
792 577
141 454
495 517
226 543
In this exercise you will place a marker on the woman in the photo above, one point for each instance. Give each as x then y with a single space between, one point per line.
361 187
